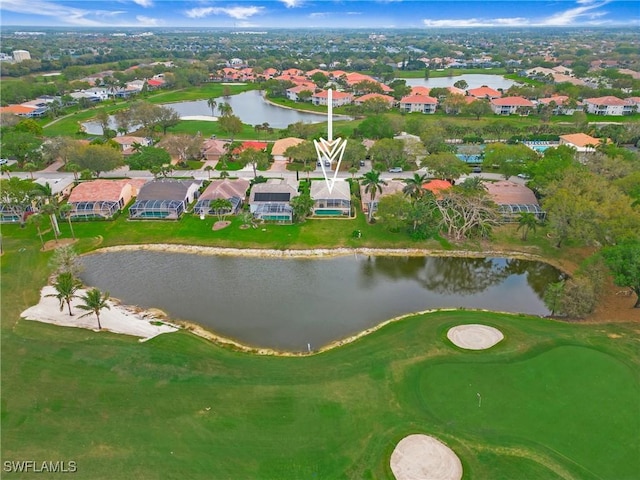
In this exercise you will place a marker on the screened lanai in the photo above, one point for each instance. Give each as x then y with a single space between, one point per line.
274 212
510 212
156 209
94 209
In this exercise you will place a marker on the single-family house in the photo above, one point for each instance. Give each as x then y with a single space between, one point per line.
334 203
484 92
511 105
270 201
102 198
370 96
420 90
418 103
512 199
19 110
392 187
337 98
609 105
233 190
213 149
280 147
60 187
129 143
582 142
164 199
437 186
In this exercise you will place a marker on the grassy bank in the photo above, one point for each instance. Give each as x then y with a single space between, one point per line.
559 400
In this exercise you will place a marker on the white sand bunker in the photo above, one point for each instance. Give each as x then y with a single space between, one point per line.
119 319
474 336
421 457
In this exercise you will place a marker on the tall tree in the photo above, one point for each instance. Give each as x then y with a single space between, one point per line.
212 104
36 219
94 301
414 186
16 196
221 207
230 124
255 158
66 286
623 261
372 185
302 206
65 210
97 158
527 221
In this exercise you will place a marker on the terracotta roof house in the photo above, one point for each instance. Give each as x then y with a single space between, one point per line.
311 73
484 92
369 96
355 77
293 72
102 198
261 146
437 186
336 203
420 90
213 149
418 103
280 146
270 201
561 102
269 73
20 110
338 98
582 142
337 73
511 105
164 199
233 190
127 143
392 187
512 199
609 105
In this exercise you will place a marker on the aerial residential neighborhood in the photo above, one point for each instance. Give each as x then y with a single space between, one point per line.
333 240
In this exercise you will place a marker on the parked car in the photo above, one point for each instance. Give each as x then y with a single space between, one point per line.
395 170
476 169
4 161
362 163
327 163
523 176
318 164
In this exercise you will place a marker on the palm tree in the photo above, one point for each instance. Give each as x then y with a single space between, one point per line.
37 219
30 167
527 221
372 184
75 168
414 186
93 302
66 286
353 171
225 109
212 104
224 174
221 207
208 169
65 210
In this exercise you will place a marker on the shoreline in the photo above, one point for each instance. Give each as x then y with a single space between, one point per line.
324 252
318 253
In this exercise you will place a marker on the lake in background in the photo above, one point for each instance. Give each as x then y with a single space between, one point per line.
249 106
474 80
286 304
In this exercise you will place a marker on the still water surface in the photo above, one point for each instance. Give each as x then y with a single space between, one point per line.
286 304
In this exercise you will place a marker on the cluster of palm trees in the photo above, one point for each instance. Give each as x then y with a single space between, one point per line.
48 207
93 301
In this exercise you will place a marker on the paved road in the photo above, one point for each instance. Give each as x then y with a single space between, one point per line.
246 172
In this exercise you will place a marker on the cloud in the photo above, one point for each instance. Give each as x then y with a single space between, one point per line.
573 15
64 14
292 3
240 13
319 14
144 3
148 21
474 22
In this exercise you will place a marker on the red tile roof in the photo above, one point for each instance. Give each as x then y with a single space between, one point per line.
247 145
512 102
370 96
419 90
484 92
608 100
505 193
419 99
103 190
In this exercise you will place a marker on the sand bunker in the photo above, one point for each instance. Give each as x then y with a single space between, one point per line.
203 118
474 336
119 319
421 457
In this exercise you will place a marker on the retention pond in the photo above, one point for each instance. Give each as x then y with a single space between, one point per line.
295 303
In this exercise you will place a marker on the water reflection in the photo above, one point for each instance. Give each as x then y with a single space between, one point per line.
288 303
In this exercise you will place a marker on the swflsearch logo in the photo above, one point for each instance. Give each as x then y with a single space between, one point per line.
330 150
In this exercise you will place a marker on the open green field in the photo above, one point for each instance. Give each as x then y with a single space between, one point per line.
559 400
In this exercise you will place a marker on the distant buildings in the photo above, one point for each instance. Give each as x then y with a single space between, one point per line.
21 56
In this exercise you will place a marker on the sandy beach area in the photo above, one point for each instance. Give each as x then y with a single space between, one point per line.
128 320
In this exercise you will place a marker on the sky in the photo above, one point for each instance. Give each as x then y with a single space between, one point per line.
372 14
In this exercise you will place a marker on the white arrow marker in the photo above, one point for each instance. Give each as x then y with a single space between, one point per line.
329 150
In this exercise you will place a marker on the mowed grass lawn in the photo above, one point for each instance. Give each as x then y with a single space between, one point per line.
559 400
